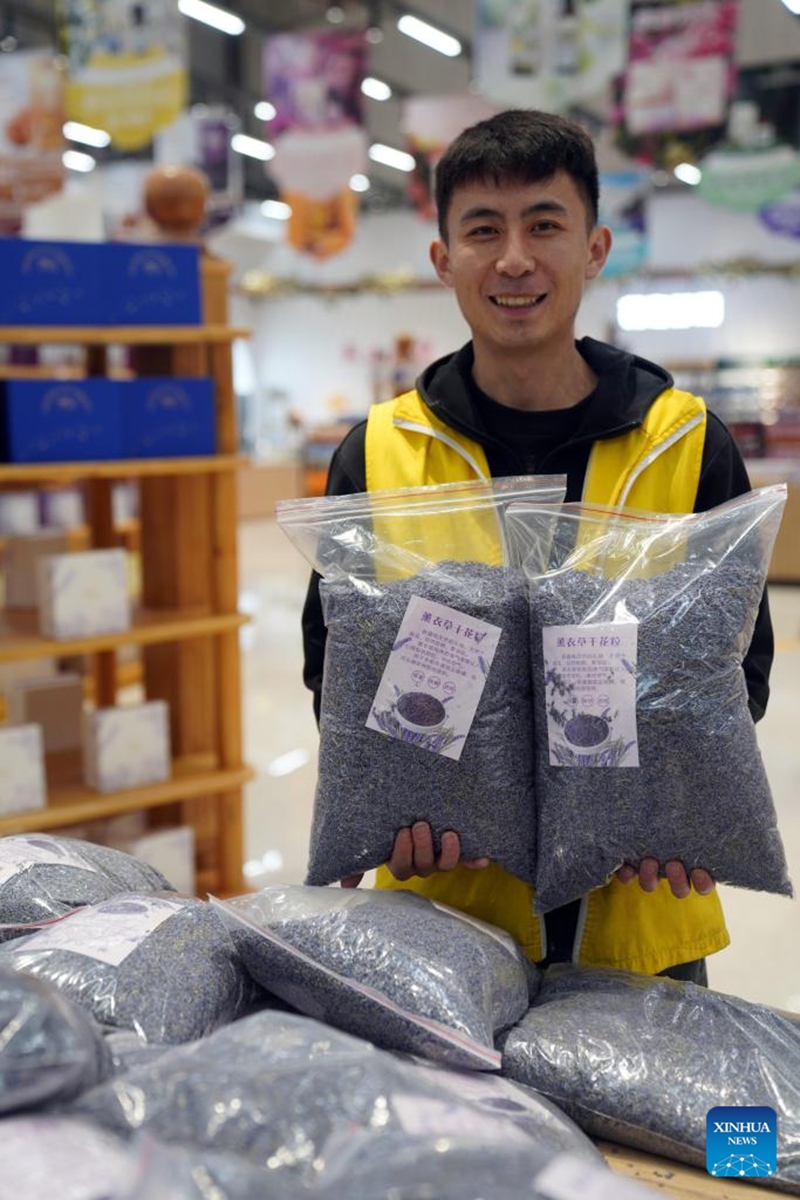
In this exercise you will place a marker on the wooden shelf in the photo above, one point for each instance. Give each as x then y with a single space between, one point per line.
20 640
122 335
70 802
123 468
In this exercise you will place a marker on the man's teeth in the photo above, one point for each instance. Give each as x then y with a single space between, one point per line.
516 301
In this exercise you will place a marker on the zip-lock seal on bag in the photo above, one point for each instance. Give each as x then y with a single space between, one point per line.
644 742
426 700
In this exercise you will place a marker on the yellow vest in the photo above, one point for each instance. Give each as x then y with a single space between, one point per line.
655 467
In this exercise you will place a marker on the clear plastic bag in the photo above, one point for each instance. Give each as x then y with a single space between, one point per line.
640 1060
163 966
50 1049
426 699
644 742
47 1156
389 966
43 877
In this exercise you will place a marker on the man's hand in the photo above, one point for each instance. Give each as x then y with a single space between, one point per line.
680 883
413 854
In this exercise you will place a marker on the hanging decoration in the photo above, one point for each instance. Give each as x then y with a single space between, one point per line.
31 138
126 66
313 80
201 138
783 216
747 180
430 124
623 207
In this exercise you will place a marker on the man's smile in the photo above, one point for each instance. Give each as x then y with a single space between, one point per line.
516 301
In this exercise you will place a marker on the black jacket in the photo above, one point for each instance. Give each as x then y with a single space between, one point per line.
627 386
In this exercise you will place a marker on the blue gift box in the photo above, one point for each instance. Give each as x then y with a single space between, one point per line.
166 418
60 420
51 283
151 285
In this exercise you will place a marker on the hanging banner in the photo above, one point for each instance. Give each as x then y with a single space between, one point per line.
314 82
623 207
126 66
201 138
680 73
548 53
31 138
430 124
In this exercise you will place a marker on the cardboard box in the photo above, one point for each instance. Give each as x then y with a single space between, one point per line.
22 780
55 704
22 557
166 418
151 284
126 747
83 594
60 420
19 513
51 283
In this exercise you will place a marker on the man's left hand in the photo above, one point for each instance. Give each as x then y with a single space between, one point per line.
679 881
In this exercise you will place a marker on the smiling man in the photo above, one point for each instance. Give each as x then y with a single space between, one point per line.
519 239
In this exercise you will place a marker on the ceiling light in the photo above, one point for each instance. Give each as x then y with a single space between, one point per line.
276 209
242 143
429 35
376 89
671 310
793 6
359 183
74 160
86 134
209 14
374 35
391 157
688 173
265 111
335 14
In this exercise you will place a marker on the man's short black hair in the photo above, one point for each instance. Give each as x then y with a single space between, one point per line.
518 146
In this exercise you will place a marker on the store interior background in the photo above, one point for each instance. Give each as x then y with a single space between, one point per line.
311 365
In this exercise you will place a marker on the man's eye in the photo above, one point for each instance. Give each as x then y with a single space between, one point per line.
545 226
481 231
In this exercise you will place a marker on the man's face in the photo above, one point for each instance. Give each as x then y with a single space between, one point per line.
518 257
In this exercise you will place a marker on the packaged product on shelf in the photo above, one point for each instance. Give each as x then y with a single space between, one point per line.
150 284
641 1060
645 744
168 418
19 513
162 965
50 1049
126 747
59 420
83 594
62 508
23 786
43 878
426 701
22 557
54 703
273 1082
392 967
51 283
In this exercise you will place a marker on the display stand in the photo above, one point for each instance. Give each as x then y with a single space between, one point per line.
188 625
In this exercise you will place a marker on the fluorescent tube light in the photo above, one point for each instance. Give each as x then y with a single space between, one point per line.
359 183
671 310
688 173
265 111
793 6
376 89
75 160
209 14
276 209
429 35
242 143
391 157
74 131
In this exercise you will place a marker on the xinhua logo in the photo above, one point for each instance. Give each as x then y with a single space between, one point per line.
742 1142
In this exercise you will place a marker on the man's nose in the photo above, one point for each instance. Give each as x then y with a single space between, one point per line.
516 257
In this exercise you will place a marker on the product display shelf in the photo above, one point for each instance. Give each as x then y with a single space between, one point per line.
188 629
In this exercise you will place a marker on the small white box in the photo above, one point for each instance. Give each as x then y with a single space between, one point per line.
22 558
170 851
84 593
126 747
22 780
19 513
63 508
53 702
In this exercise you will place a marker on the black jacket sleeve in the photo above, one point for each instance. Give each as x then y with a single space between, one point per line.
346 476
723 475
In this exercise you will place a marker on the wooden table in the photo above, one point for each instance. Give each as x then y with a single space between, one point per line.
676 1179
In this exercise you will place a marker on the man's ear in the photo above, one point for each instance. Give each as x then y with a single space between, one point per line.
440 257
599 249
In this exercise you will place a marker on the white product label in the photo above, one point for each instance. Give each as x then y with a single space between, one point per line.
418 1115
434 678
21 852
566 1177
590 688
110 932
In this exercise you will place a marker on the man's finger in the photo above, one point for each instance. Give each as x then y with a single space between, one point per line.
401 864
648 874
702 882
475 864
424 858
351 881
677 879
626 873
451 851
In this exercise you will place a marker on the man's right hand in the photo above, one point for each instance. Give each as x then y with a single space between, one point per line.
413 854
